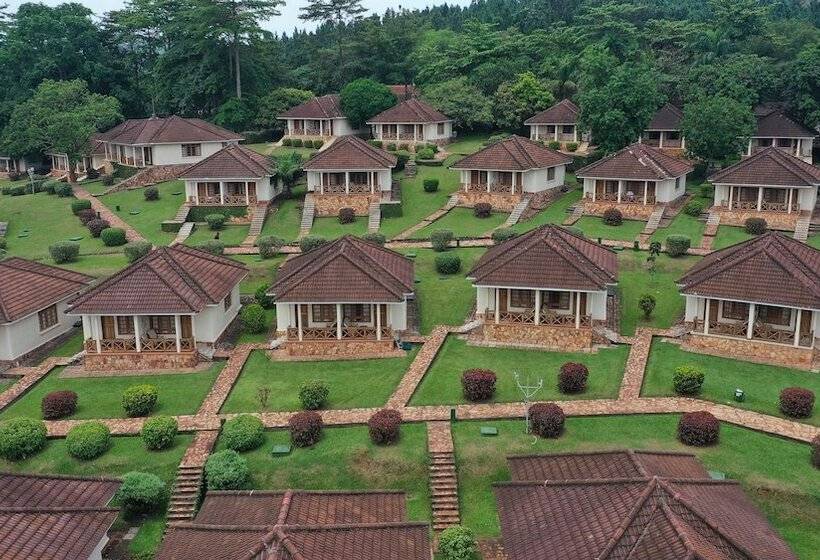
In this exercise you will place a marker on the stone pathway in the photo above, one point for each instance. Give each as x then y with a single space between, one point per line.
130 233
28 377
443 476
227 377
188 483
414 374
636 364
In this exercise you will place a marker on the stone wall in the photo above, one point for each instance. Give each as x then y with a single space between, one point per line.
750 350
332 349
630 211
499 201
330 204
774 220
565 339
147 361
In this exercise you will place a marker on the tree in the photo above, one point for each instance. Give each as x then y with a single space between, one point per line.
60 118
235 113
277 102
520 99
716 128
803 91
337 14
647 305
288 169
461 101
364 98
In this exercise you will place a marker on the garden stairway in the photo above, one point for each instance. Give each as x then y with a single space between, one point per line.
515 215
577 213
183 503
308 212
259 213
653 221
443 476
801 229
374 217
183 233
709 233
182 213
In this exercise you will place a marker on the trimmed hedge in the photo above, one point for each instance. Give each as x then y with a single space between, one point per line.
457 543
88 440
503 234
226 470
159 432
698 429
677 245
305 428
694 208
755 226
688 380
384 426
58 404
572 378
613 217
213 246
64 251
135 250
440 239
375 237
216 221
139 400
310 242
478 384
425 153
482 210
797 402
63 190
253 318
313 394
80 204
347 215
448 263
141 493
87 215
547 420
151 193
96 226
113 237
243 433
269 246
815 452
21 438
430 184
262 298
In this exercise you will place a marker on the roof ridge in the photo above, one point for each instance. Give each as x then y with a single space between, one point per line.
638 465
629 519
6 262
75 477
58 510
163 255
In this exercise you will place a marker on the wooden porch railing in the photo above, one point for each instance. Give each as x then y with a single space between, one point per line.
765 205
497 188
547 317
760 331
118 345
354 188
352 332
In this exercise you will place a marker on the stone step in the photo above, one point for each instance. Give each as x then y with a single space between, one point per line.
515 215
442 465
576 214
308 213
184 232
260 212
374 217
182 213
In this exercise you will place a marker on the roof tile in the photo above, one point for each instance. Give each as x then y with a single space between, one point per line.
167 130
350 152
513 154
231 162
322 107
413 110
563 112
769 166
28 286
637 161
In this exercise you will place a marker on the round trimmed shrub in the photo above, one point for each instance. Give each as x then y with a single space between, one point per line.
269 246
310 242
425 153
215 221
572 146
262 298
96 226
694 208
796 402
613 217
113 237
503 234
391 147
226 470
159 432
243 433
135 250
483 210
318 144
87 215
212 246
375 237
478 384
572 378
141 493
677 245
139 400
647 303
80 204
698 429
313 394
755 226
253 318
64 251
430 184
107 180
457 543
375 143
554 145
401 160
151 193
88 440
448 263
287 141
440 239
688 380
296 142
63 190
815 452
384 426
58 404
21 438
547 420
347 215
305 428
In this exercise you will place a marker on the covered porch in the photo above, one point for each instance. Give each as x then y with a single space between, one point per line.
671 139
348 182
797 147
622 191
761 199
498 182
117 334
339 322
132 156
554 132
310 127
554 308
399 132
223 193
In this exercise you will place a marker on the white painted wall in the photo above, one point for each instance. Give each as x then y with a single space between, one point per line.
665 191
286 317
266 187
536 180
595 305
168 154
314 178
212 321
806 197
23 336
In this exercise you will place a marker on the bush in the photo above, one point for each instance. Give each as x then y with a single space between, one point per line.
310 242
269 246
494 138
503 234
425 153
107 180
216 221
253 318
3 243
384 426
347 215
572 378
296 142
554 145
151 193
139 400
547 420
96 226
80 204
21 438
135 250
391 147
698 428
226 470
430 184
51 186
448 263
401 160
213 246
262 298
796 402
86 216
113 237
376 143
483 210
141 493
375 237
457 543
318 144
677 245
613 217
815 452
440 239
92 173
694 208
755 226
647 304
403 147
287 142
159 432
572 146
478 384
58 404
88 440
64 251
688 380
305 428
243 433
313 394
63 190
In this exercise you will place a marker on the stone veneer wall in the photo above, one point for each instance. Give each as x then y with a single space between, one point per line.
147 361
750 350
338 348
566 339
630 211
499 201
774 220
330 204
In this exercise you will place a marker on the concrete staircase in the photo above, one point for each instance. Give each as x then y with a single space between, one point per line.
182 213
709 233
182 506
308 212
375 217
260 212
801 229
577 213
654 220
515 215
183 233
452 202
444 490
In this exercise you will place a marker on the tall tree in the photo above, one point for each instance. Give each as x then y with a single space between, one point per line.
461 101
277 102
717 128
336 14
364 98
517 100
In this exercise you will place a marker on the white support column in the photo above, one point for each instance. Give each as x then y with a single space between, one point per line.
645 191
299 326
537 307
661 134
731 194
321 183
137 333
497 306
372 176
378 321
321 127
97 326
575 133
620 189
789 202
751 323
594 188
759 199
489 181
706 316
797 328
339 321
555 136
577 310
749 149
222 192
177 328
514 174
247 195
347 182
682 142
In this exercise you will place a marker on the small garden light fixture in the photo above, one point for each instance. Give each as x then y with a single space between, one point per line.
740 395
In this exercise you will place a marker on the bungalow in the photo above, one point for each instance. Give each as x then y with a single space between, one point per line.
164 141
758 300
157 312
503 172
319 118
347 298
95 159
559 123
10 165
547 287
769 184
634 180
349 174
412 121
664 130
233 176
33 300
775 128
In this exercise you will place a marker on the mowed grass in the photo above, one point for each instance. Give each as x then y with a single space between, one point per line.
71 346
285 216
330 227
761 383
100 397
261 271
345 459
814 241
151 213
463 223
230 235
729 235
352 383
682 224
467 144
595 228
442 382
776 473
555 213
97 265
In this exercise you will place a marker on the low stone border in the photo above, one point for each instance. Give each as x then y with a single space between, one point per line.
78 371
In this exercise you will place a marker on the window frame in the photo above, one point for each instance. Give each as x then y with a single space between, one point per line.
186 149
50 316
322 313
550 173
126 321
522 299
738 311
228 301
357 312
155 322
765 315
555 300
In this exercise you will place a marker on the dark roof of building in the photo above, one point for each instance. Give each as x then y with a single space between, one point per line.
27 287
667 117
413 110
167 130
52 517
299 525
771 268
514 153
350 152
770 166
321 107
547 257
563 112
772 121
234 161
347 269
404 91
637 161
175 279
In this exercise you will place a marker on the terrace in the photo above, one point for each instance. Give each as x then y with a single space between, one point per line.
623 192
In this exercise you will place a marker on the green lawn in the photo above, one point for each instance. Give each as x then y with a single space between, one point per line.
634 280
100 397
682 224
761 383
467 144
151 214
330 228
463 223
345 380
71 346
265 336
555 213
442 382
729 235
595 228
262 271
5 383
230 235
345 459
775 472
98 265
283 221
814 241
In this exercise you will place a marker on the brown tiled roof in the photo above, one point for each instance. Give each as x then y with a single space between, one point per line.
549 257
167 130
175 279
667 117
349 153
513 154
771 268
404 91
58 491
97 144
769 166
637 161
563 112
345 270
231 162
322 107
28 286
773 122
413 110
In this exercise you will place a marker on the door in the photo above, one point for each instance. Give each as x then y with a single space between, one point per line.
303 315
383 313
148 155
583 304
805 323
251 186
502 300
186 329
713 312
108 331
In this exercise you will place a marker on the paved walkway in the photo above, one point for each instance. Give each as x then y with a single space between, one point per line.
418 368
28 377
130 233
226 379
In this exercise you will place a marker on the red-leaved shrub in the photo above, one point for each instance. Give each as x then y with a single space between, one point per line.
96 226
305 428
613 217
796 402
482 210
384 426
698 428
347 215
58 404
572 377
478 384
547 420
86 215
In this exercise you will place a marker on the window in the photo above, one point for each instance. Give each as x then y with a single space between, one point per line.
148 155
568 129
162 324
191 150
323 313
775 315
440 129
228 301
558 300
522 298
125 325
550 173
356 313
47 317
735 310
